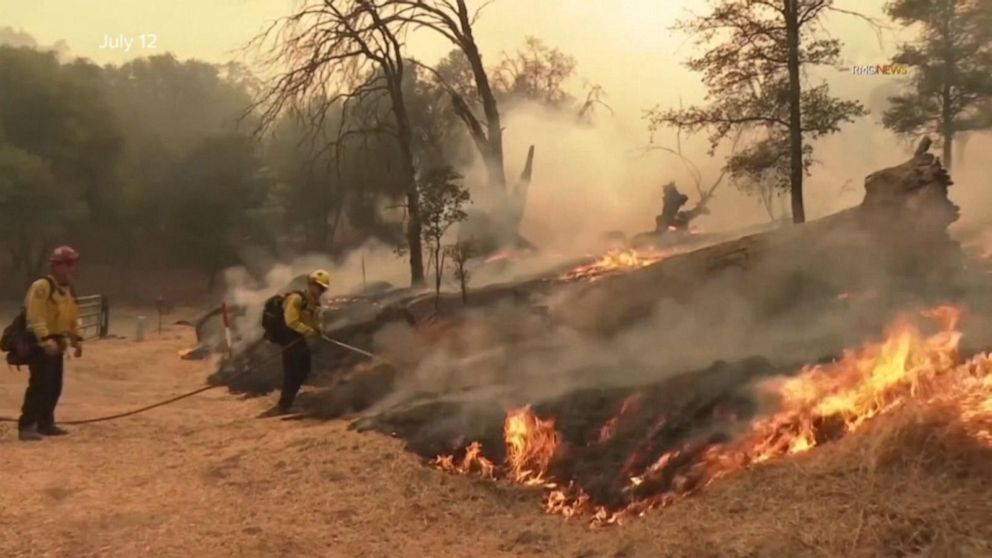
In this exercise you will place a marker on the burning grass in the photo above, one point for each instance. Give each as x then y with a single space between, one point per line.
616 260
660 460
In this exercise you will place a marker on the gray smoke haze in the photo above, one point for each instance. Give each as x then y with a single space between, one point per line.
785 308
249 286
510 351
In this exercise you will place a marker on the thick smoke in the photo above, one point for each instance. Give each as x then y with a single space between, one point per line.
249 286
539 355
792 308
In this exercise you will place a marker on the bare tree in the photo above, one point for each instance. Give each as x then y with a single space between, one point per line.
594 97
461 252
345 52
454 20
705 192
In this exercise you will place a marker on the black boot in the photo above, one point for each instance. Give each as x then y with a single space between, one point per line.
276 411
28 434
52 430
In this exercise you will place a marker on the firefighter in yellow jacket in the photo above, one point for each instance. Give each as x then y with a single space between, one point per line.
51 312
301 311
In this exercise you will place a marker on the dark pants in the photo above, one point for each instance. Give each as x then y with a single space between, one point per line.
295 369
44 389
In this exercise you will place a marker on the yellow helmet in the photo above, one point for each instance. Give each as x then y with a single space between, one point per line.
320 277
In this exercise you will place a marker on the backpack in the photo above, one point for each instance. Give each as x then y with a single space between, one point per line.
17 340
274 318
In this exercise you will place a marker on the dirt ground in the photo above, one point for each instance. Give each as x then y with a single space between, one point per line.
203 477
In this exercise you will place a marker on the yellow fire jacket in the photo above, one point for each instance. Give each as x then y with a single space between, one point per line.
302 315
52 314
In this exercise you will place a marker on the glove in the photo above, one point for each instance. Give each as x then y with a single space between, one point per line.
78 353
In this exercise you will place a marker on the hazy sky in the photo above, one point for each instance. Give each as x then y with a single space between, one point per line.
616 42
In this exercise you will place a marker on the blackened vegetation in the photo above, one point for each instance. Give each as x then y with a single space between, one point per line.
604 449
608 434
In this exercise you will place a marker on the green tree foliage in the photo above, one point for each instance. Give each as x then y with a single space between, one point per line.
184 162
60 144
29 197
148 164
333 193
310 194
58 113
754 71
951 85
442 201
166 108
111 159
440 139
460 253
217 188
762 170
535 72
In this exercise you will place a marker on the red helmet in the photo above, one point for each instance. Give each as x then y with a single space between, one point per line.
64 254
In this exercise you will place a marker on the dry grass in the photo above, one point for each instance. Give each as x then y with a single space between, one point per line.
911 484
204 478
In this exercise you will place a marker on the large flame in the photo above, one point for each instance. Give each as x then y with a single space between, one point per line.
860 386
531 444
820 404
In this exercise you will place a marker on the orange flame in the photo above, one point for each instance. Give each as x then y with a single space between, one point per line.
820 404
860 386
531 444
471 461
504 254
823 403
615 260
629 404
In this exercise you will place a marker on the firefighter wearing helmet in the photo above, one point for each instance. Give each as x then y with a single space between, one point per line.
51 316
300 316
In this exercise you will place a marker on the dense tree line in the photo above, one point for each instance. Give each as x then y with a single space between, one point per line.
154 163
161 162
